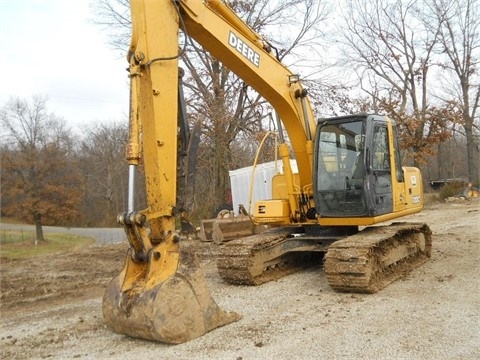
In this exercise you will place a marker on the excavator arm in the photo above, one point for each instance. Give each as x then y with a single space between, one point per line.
153 58
161 293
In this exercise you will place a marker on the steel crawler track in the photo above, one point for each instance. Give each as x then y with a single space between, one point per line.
365 262
372 259
264 257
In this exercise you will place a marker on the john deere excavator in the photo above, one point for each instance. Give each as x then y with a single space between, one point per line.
349 178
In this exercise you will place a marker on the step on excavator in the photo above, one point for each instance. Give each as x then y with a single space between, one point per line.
349 180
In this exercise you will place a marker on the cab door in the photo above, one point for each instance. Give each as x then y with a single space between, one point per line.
378 168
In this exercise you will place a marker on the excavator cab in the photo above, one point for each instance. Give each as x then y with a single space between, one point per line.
358 169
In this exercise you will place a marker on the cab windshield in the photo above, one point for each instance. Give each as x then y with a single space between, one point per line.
340 164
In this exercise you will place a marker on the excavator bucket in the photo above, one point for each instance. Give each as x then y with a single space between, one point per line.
223 230
164 299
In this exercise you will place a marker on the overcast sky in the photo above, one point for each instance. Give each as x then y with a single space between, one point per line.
52 48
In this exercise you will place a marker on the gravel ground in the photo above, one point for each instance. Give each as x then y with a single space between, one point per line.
51 307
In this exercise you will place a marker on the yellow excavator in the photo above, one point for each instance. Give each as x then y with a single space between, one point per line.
349 178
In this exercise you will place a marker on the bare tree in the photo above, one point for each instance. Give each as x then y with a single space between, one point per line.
114 17
393 52
38 181
103 167
459 36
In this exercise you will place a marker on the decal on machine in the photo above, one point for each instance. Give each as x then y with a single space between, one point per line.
242 48
414 180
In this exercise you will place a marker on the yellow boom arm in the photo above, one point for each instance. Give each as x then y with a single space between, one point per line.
160 293
154 69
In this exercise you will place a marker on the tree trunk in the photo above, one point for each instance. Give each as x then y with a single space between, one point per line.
473 174
38 228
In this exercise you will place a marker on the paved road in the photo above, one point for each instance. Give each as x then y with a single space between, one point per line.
101 235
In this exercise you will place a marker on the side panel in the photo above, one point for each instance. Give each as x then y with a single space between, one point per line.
279 186
413 189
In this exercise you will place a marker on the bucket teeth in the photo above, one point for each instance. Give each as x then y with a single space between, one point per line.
173 311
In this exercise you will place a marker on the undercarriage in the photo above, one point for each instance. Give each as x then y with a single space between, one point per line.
364 261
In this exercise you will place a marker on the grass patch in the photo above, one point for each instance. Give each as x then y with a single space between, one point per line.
451 189
16 244
9 220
